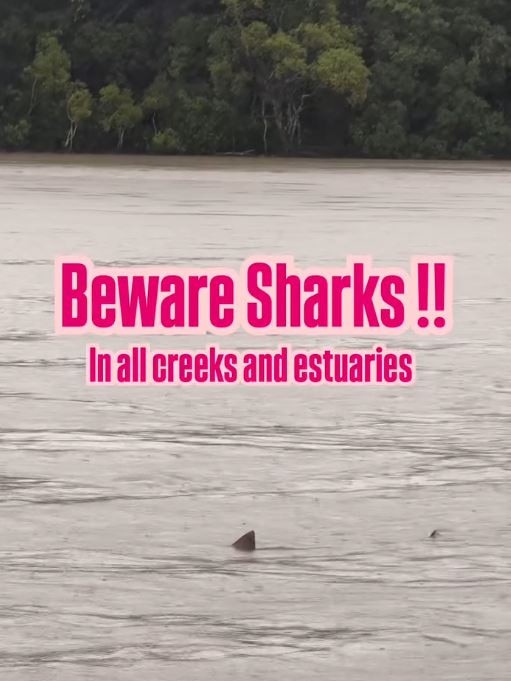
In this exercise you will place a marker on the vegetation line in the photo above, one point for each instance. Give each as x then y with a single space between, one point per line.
350 78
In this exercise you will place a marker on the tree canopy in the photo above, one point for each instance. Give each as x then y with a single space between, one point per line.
377 78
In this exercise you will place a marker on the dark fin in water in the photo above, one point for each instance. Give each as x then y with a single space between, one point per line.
433 534
246 543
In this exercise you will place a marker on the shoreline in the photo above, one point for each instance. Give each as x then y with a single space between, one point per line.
255 162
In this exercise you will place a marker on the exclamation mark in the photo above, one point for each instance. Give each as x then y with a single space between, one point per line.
440 294
423 294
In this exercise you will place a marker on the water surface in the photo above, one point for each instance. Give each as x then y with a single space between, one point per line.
118 505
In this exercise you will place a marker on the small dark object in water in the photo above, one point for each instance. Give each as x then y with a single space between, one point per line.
245 543
433 534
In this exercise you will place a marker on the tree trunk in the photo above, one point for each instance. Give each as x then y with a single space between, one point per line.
279 122
32 97
294 113
265 127
68 144
120 140
153 121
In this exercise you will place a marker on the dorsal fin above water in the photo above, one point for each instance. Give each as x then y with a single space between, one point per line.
246 542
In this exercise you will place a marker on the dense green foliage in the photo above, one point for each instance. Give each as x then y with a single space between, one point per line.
382 78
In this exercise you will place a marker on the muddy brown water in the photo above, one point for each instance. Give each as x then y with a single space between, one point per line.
119 505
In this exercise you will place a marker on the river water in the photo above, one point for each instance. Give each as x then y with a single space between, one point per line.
119 505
